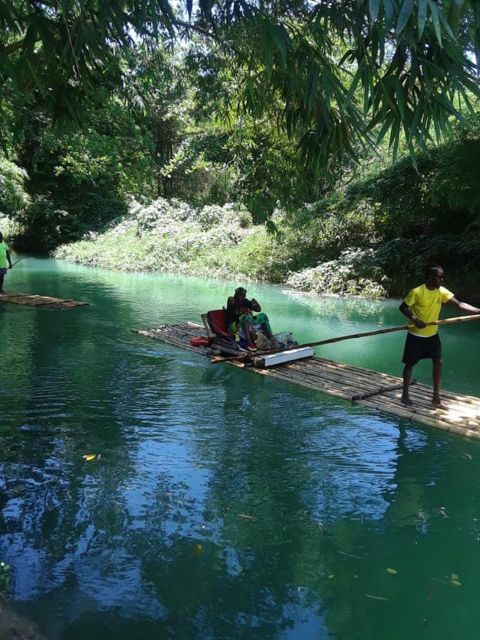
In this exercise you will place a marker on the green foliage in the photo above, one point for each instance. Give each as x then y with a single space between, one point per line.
371 238
61 51
342 69
195 175
168 236
311 86
13 195
267 167
43 227
455 186
328 72
399 219
83 175
258 258
441 196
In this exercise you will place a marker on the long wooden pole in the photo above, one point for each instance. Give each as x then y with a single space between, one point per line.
403 327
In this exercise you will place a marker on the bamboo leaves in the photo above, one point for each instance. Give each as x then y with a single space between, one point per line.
374 7
281 40
436 20
422 16
403 60
404 15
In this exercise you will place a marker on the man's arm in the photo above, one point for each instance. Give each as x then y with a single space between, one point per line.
405 309
255 306
9 259
464 306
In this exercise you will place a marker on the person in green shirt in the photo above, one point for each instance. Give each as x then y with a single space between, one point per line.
422 305
4 259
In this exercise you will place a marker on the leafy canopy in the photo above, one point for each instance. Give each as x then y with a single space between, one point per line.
335 71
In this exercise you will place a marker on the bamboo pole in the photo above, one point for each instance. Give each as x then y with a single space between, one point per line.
317 343
380 391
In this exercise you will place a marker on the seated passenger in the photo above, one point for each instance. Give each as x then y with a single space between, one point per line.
242 323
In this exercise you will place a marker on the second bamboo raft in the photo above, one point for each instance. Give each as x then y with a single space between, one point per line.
34 300
461 414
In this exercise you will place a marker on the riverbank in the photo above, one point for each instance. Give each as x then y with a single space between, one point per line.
310 254
370 238
220 242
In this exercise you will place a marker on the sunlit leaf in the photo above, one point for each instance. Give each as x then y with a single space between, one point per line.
454 580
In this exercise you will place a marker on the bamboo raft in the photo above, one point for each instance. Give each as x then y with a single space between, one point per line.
379 391
40 301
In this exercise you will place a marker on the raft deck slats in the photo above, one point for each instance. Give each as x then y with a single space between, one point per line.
461 414
34 300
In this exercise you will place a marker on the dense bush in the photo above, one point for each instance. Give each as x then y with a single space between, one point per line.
13 195
400 219
354 272
42 227
169 236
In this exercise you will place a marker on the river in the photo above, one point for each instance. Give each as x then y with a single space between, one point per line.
224 505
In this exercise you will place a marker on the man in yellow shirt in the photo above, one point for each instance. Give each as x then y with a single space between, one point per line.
422 305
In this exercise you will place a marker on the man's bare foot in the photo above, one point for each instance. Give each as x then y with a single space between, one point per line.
406 400
437 402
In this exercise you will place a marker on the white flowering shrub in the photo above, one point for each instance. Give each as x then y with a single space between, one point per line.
353 273
169 236
229 215
159 214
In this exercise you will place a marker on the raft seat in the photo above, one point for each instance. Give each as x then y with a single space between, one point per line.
215 323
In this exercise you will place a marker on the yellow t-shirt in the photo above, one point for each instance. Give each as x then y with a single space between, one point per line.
426 304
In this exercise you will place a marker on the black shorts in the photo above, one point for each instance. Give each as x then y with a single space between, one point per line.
418 348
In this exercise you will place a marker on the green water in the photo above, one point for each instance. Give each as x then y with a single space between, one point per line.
224 505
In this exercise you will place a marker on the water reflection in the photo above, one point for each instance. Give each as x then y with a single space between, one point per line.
224 504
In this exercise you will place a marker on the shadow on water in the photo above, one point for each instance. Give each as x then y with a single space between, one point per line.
224 504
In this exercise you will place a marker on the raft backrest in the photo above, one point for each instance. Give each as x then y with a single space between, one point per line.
217 321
